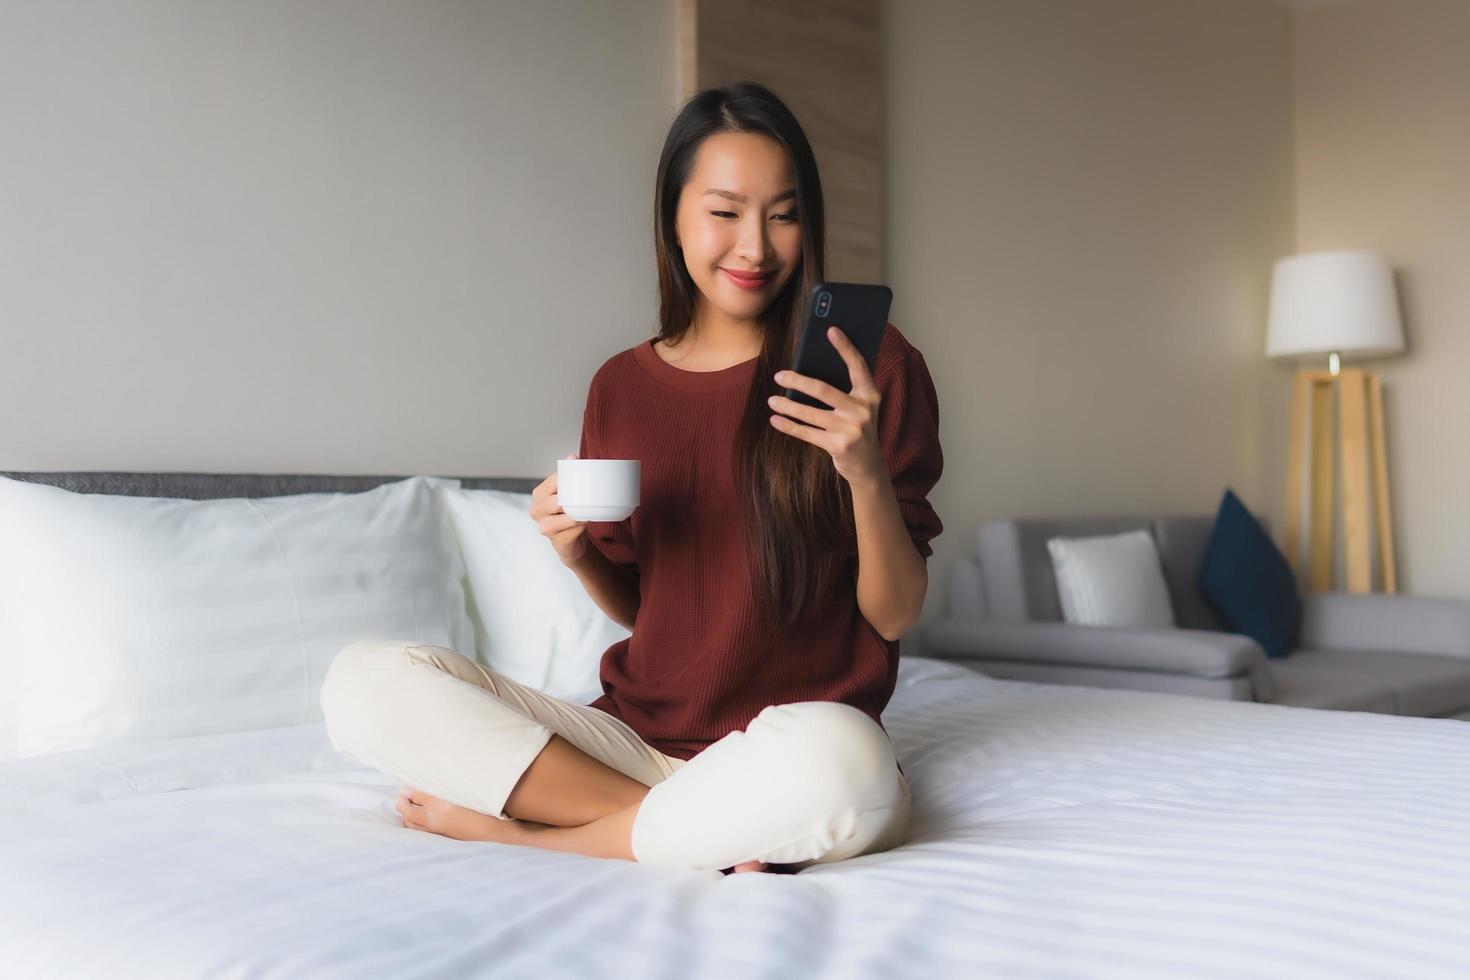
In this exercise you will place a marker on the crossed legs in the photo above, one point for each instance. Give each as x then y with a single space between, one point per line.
492 759
565 801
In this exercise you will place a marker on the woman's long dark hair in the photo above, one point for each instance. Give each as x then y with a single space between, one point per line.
795 510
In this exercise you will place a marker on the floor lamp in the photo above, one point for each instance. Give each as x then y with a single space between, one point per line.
1339 304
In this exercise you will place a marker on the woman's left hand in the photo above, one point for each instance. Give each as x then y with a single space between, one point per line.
849 429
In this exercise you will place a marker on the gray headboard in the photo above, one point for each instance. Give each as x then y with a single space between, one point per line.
209 486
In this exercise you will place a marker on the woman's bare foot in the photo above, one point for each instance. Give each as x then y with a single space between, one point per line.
421 811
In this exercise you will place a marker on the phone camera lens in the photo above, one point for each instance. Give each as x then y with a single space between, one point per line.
824 302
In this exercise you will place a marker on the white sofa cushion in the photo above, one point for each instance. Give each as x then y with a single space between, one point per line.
126 618
1111 580
534 619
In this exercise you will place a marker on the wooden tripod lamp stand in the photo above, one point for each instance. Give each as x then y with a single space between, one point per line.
1338 304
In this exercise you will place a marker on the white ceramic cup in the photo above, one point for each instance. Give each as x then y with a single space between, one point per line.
598 489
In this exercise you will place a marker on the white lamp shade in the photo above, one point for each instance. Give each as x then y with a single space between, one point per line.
1323 302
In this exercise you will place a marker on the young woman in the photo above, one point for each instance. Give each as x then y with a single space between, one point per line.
778 553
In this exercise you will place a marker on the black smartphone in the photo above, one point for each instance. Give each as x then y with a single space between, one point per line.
859 310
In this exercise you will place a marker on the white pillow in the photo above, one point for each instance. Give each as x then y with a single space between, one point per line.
1111 580
534 619
125 618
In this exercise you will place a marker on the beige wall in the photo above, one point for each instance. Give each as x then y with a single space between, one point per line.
331 237
1383 162
1084 203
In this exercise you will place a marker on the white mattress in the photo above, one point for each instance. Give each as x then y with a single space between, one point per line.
1057 832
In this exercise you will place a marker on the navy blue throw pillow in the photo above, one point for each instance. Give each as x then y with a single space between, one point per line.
1245 578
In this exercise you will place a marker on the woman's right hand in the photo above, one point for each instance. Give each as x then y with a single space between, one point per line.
566 534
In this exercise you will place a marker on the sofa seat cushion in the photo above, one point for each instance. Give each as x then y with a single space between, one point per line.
1423 684
1238 688
1301 686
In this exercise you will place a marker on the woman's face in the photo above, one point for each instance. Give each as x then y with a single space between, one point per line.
737 213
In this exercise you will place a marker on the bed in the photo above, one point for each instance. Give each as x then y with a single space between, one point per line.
1057 832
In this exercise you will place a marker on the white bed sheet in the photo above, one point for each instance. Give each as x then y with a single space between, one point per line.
1057 832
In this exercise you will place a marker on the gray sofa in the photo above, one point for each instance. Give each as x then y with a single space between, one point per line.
1391 654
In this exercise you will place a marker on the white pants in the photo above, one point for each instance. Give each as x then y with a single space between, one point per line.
805 783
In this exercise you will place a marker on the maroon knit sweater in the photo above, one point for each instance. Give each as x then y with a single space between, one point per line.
698 665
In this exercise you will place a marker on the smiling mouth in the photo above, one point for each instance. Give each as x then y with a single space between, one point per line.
748 280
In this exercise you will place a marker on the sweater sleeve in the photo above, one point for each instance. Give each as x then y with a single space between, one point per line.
613 538
908 428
